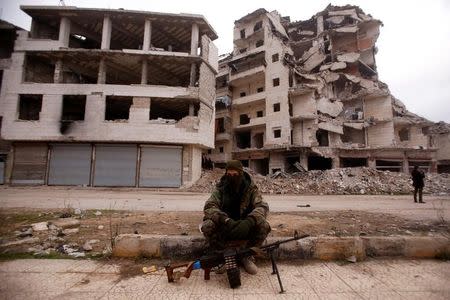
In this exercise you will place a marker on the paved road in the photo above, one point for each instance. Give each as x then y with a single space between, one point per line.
142 199
86 279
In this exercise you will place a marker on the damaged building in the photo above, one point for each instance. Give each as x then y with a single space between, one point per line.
105 97
306 95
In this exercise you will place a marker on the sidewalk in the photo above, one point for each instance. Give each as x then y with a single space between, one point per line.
87 279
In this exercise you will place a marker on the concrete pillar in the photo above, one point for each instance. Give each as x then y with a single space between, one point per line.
335 162
371 162
101 78
405 164
58 75
194 39
434 166
106 33
144 74
319 25
193 75
64 31
147 35
191 109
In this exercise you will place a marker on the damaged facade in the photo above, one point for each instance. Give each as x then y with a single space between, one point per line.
102 97
305 95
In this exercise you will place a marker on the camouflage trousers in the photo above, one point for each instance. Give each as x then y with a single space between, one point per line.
217 235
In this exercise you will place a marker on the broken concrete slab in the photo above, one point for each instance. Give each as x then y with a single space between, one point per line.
338 66
324 105
65 223
41 226
350 57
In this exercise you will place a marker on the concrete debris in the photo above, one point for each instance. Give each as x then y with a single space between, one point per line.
98 213
341 181
41 226
100 227
30 240
66 223
70 231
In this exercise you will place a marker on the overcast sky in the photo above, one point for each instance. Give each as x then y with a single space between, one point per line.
413 48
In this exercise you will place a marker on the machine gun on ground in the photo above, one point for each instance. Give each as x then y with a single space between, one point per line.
229 257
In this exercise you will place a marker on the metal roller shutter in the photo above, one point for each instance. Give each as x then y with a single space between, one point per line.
30 163
160 166
115 165
70 165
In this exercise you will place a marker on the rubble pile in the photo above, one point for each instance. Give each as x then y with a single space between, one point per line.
333 182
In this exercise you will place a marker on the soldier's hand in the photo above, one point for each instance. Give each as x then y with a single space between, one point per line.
242 229
230 224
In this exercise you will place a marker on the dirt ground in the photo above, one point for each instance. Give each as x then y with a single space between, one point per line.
105 226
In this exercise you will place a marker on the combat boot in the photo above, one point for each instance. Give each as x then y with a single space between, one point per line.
249 265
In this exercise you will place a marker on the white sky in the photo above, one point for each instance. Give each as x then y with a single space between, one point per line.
413 48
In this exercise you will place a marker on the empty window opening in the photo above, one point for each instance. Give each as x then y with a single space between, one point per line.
170 73
259 114
242 94
220 125
258 140
48 30
245 163
349 162
261 166
221 149
423 165
243 50
388 165
276 107
322 137
276 81
292 162
80 38
354 136
125 72
319 163
117 108
290 108
1 79
275 57
30 107
403 134
73 107
209 151
259 43
258 26
170 109
277 133
244 119
79 69
7 38
125 35
242 33
243 140
39 69
260 90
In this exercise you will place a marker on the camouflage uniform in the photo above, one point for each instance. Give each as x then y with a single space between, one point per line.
217 210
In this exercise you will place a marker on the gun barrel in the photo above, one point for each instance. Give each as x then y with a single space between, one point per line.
278 243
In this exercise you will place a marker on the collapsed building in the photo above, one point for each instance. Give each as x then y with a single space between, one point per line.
295 96
106 97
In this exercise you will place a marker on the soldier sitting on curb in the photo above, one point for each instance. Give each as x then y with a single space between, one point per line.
236 211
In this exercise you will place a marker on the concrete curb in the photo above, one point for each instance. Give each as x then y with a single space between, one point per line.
322 248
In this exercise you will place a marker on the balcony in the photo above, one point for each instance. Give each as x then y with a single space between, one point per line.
254 36
256 71
256 122
303 117
253 98
223 136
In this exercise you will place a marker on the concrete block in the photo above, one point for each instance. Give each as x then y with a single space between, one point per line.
182 246
330 248
127 245
66 223
150 246
384 245
426 247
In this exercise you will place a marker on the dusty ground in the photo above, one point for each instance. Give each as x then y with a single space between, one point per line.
110 223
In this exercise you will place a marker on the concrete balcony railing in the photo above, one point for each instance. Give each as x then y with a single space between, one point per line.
223 136
220 157
256 71
253 98
256 122
303 116
254 36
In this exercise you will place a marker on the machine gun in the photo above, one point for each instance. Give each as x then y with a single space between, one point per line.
229 257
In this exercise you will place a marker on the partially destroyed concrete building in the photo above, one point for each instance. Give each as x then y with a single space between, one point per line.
306 95
103 97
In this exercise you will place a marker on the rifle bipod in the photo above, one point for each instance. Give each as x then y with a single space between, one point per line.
275 270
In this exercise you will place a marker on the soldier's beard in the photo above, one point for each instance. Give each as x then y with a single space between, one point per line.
235 181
